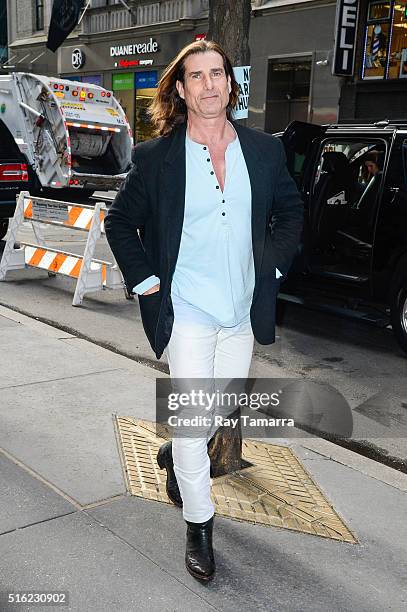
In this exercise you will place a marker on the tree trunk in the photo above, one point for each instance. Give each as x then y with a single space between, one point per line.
229 23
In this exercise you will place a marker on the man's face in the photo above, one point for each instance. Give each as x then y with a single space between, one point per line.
206 88
372 168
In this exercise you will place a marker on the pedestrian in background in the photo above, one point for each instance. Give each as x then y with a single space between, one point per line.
203 229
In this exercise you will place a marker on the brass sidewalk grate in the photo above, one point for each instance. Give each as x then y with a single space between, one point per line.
274 490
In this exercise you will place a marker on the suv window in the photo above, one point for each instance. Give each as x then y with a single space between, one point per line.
346 185
357 162
295 165
349 166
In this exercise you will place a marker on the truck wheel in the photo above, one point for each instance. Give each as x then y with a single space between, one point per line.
3 228
398 305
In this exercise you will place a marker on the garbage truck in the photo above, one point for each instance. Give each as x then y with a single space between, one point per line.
73 135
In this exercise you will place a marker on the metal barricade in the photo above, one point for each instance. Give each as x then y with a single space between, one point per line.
91 274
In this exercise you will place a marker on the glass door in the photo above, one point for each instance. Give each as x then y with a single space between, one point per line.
123 91
288 90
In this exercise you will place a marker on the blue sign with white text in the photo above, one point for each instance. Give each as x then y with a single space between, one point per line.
146 80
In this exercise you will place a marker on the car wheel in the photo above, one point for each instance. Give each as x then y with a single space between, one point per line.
398 307
3 228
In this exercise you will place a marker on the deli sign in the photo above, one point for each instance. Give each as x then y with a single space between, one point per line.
345 37
150 46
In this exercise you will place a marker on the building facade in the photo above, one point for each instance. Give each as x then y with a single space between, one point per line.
28 22
377 89
291 46
291 53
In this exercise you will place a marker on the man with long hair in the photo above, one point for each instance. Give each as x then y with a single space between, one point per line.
205 225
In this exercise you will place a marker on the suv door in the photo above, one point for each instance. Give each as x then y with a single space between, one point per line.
390 238
344 204
301 142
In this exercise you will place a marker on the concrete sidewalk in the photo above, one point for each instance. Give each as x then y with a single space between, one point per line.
67 523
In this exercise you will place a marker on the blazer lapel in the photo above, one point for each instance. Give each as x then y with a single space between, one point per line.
173 201
257 168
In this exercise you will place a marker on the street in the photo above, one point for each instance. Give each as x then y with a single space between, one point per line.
362 362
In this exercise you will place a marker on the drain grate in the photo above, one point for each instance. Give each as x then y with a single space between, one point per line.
274 490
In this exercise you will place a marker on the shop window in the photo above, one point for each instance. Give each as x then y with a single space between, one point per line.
379 10
123 89
134 92
376 51
146 84
94 79
398 49
377 39
385 53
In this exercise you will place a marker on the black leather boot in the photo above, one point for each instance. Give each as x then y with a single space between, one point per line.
164 460
199 558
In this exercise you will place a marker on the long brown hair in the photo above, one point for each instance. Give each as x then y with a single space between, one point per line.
167 108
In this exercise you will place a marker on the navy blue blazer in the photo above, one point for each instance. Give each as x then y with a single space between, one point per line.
144 226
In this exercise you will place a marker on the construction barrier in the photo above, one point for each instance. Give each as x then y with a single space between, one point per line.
91 274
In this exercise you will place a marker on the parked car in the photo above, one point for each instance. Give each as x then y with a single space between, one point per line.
14 176
353 256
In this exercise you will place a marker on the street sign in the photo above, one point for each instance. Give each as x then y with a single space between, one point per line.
345 37
49 211
242 76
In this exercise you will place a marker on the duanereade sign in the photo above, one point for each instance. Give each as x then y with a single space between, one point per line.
134 49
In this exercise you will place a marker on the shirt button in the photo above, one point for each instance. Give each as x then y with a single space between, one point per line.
223 201
223 214
217 186
204 148
212 172
208 159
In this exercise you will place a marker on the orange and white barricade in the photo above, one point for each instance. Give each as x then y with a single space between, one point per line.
91 274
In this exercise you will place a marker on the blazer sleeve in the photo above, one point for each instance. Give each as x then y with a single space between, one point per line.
126 216
287 215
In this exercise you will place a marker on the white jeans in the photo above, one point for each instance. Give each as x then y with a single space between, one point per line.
200 348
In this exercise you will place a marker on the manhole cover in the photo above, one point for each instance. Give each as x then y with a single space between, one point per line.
274 490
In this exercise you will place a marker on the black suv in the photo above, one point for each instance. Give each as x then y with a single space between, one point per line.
14 176
353 256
